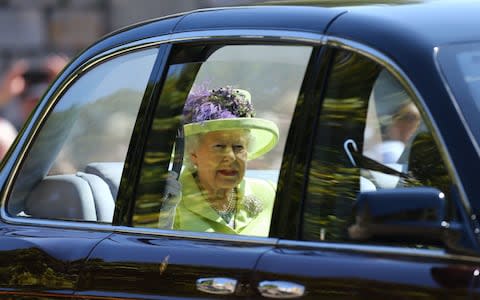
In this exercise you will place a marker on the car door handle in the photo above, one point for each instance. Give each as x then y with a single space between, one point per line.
281 289
217 285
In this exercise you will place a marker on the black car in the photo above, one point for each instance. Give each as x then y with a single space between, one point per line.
377 109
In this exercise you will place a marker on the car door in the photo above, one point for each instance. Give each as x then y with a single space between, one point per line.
147 257
364 229
55 208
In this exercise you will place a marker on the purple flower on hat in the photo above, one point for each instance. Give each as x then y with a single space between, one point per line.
203 104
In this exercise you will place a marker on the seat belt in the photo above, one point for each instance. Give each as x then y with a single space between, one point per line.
364 162
178 152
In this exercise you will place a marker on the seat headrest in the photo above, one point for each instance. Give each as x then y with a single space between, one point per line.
110 172
62 197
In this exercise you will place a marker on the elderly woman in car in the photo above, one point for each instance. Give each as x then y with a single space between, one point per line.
221 135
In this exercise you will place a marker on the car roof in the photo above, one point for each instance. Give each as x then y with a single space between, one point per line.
430 23
301 18
433 21
388 28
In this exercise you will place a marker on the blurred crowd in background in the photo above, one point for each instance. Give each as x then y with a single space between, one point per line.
21 86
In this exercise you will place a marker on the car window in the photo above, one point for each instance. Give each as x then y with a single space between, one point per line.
371 143
459 64
73 168
216 145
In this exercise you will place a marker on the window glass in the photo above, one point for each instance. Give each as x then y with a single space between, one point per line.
371 140
73 169
460 63
236 102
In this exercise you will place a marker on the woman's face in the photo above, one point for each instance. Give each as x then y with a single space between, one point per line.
405 123
221 158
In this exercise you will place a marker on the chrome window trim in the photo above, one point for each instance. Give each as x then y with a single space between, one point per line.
204 236
60 224
261 241
154 232
215 35
293 37
263 34
392 67
377 250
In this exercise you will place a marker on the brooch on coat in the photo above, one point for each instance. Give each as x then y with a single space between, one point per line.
252 205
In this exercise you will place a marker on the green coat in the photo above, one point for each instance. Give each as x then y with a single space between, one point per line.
252 217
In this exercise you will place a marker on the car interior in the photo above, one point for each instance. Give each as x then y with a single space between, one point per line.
88 195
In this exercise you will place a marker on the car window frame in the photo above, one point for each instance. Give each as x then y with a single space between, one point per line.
232 37
121 217
124 206
389 65
35 125
121 223
297 117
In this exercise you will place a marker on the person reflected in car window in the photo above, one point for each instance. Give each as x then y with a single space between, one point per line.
398 116
404 124
221 135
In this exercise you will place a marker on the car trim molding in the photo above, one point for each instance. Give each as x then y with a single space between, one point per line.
267 241
213 35
439 254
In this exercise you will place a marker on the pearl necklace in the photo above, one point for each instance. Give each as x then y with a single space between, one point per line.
228 212
232 201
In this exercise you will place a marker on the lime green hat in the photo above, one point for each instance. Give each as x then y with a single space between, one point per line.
228 109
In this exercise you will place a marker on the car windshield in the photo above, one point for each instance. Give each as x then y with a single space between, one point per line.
460 64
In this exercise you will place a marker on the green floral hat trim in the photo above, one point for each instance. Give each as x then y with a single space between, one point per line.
265 133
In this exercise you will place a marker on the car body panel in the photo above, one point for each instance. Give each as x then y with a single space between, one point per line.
344 271
307 19
103 261
141 31
43 262
142 266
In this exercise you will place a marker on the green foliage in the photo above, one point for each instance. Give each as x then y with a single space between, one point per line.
160 146
34 268
333 180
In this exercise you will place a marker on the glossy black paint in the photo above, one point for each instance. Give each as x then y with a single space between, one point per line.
42 262
291 186
131 174
329 273
308 19
104 264
144 30
132 265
